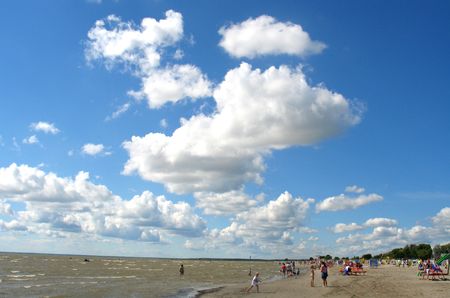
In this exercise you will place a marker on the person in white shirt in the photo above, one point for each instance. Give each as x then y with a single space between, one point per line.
255 283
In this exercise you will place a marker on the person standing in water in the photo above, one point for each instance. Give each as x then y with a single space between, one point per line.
181 269
255 283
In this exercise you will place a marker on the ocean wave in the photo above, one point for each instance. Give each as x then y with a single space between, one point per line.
20 275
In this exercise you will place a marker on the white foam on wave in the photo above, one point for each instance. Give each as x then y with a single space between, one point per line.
21 275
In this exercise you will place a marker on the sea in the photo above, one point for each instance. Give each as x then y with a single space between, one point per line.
39 275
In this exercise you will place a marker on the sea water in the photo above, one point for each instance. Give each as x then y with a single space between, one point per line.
36 275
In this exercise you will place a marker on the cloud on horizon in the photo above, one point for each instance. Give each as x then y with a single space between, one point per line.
58 206
383 238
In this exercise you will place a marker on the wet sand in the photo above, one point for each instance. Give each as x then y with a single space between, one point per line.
385 281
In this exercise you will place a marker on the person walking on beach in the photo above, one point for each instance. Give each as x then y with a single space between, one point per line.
181 269
312 275
324 271
255 283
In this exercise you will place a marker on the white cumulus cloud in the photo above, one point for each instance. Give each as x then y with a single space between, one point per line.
44 127
265 227
228 203
442 219
174 83
31 140
380 222
344 202
92 149
341 227
264 35
59 205
141 49
386 236
371 222
257 112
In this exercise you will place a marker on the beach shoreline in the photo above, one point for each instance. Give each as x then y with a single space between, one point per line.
384 281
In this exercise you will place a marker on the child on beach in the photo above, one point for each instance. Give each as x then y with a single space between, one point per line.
312 275
181 269
255 283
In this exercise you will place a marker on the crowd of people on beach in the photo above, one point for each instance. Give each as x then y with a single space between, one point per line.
289 269
429 269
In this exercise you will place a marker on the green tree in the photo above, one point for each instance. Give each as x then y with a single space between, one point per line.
367 256
439 250
397 253
328 257
424 251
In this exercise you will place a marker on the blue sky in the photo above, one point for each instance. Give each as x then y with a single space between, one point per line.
224 129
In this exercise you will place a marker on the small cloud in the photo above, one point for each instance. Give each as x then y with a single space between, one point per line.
15 144
344 202
31 140
117 113
92 149
44 127
94 1
265 35
354 189
306 230
70 153
341 227
163 123
179 54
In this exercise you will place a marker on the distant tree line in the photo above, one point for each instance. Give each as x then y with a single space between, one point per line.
416 251
411 251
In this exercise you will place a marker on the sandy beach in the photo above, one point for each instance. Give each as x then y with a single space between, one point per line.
385 281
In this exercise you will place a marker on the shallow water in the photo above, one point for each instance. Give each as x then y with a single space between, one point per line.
35 275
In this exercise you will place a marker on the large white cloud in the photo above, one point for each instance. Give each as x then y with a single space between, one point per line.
55 205
141 49
264 36
257 112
